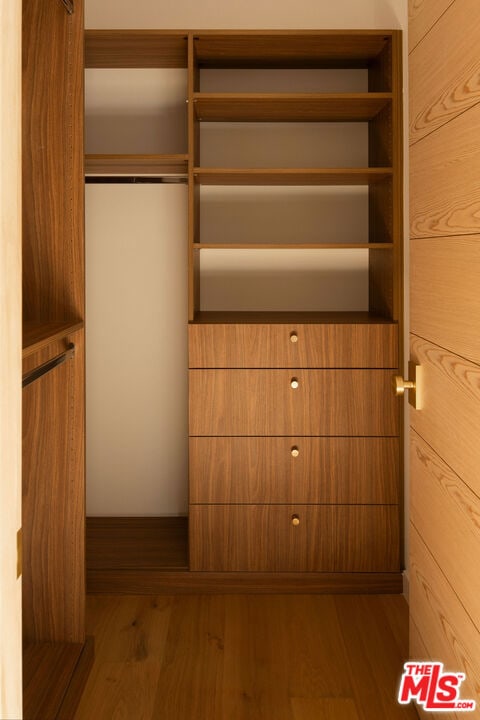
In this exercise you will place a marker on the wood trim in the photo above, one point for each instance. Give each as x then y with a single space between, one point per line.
232 316
78 681
293 246
151 582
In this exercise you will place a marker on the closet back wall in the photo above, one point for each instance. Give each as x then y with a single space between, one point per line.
136 327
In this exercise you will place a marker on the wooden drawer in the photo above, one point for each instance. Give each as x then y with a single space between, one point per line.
270 346
263 470
262 402
261 538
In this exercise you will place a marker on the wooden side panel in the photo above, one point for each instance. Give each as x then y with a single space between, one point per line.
54 500
328 538
52 161
447 87
448 513
450 417
10 360
444 169
262 402
444 299
316 346
136 48
262 470
422 16
453 636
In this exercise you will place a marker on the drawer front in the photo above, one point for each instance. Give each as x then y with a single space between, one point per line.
262 538
293 470
293 346
263 402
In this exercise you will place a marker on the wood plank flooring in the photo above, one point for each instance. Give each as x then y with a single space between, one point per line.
246 657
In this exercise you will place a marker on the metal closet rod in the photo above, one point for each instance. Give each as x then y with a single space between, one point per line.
140 179
46 367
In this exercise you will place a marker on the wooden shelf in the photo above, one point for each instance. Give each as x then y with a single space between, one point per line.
292 246
290 317
289 49
37 335
293 176
136 48
97 164
289 107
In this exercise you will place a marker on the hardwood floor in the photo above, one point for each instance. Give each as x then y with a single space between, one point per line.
246 657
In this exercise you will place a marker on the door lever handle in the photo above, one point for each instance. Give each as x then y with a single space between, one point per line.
413 385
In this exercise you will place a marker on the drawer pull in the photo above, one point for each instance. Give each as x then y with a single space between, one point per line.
295 452
293 337
294 383
295 520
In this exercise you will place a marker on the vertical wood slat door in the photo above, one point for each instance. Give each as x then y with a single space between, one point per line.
444 66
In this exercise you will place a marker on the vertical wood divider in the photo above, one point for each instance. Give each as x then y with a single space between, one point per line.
193 188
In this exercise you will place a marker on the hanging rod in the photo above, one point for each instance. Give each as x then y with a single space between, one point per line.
140 179
33 375
68 6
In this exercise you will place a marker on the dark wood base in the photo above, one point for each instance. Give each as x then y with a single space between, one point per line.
54 675
164 582
148 556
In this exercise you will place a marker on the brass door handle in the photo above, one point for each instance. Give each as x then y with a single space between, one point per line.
295 520
413 385
400 385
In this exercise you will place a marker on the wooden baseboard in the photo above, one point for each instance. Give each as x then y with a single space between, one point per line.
149 556
152 582
54 675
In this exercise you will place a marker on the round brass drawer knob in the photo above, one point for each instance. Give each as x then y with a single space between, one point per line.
294 383
293 337
295 452
295 520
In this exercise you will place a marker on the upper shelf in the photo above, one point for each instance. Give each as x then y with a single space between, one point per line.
289 107
150 165
136 48
288 49
288 176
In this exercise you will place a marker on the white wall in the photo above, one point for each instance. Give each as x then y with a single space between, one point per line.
272 14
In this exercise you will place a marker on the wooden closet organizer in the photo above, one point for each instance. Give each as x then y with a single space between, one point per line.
295 433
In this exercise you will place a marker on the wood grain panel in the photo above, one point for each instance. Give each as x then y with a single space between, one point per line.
354 317
448 514
39 335
53 263
269 346
444 298
450 633
450 417
262 402
136 48
263 470
451 85
418 651
422 16
96 164
54 500
444 167
329 538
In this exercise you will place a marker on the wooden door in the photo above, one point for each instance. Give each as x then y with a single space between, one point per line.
444 533
10 359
